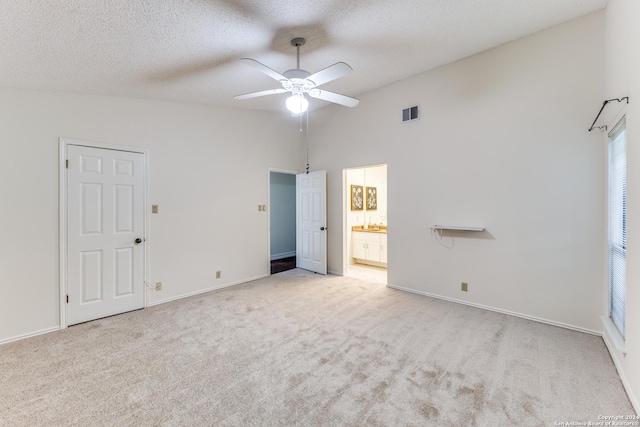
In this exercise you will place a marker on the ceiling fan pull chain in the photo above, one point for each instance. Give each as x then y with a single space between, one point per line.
307 136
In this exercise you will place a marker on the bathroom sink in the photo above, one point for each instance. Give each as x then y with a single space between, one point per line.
371 229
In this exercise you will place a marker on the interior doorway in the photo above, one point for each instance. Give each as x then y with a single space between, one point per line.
282 220
366 223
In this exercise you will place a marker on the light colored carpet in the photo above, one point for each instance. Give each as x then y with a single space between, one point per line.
302 349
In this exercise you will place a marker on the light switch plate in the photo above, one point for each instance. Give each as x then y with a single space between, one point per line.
154 209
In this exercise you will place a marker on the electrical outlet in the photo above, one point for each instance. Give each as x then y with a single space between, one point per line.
465 287
218 274
158 286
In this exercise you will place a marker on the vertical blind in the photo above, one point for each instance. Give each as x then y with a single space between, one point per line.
618 224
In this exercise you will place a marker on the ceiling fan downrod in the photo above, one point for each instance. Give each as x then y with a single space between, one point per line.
297 42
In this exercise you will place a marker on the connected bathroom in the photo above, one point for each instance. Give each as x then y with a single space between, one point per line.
366 223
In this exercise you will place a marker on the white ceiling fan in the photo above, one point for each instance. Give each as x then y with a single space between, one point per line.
299 82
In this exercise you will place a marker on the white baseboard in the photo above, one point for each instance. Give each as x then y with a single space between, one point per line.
213 288
283 255
202 291
367 262
498 310
29 335
614 350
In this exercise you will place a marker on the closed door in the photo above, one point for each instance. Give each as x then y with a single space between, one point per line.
105 233
311 217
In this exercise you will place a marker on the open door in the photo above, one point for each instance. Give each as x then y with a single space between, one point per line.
311 217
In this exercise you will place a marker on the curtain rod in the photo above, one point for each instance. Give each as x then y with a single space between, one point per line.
604 104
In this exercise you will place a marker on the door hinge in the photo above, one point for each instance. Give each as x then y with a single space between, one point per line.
67 299
67 163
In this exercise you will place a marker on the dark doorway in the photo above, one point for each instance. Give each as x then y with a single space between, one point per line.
282 221
284 264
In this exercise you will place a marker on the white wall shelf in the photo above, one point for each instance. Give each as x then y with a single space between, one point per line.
456 228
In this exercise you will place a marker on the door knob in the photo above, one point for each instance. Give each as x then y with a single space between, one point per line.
138 241
323 228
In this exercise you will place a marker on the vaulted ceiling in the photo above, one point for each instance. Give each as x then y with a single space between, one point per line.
188 50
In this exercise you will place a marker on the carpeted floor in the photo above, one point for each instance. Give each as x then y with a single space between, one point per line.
300 349
283 264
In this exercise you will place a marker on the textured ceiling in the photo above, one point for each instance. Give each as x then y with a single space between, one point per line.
188 50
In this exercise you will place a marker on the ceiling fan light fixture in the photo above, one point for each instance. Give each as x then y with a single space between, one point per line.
299 81
297 103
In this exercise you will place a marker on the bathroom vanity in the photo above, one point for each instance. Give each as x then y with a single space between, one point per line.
369 245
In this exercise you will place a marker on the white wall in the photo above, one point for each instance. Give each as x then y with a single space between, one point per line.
376 176
502 142
282 208
208 173
622 78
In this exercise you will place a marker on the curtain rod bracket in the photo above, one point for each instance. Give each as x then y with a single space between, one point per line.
604 104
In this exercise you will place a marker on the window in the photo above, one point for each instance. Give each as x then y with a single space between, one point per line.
618 224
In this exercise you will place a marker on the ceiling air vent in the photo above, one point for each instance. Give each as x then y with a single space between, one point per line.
409 114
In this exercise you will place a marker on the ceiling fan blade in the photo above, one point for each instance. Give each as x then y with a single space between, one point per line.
325 95
261 93
332 72
264 69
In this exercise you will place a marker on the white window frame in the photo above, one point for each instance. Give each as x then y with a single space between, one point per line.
616 241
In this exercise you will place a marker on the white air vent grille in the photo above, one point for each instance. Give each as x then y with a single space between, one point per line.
409 114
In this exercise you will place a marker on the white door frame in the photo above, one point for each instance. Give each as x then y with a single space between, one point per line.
269 170
345 205
62 215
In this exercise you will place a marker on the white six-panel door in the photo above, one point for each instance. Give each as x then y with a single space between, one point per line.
105 211
311 217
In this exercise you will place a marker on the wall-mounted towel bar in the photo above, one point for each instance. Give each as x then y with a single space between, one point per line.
456 228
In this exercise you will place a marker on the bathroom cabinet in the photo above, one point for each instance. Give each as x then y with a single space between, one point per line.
369 248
